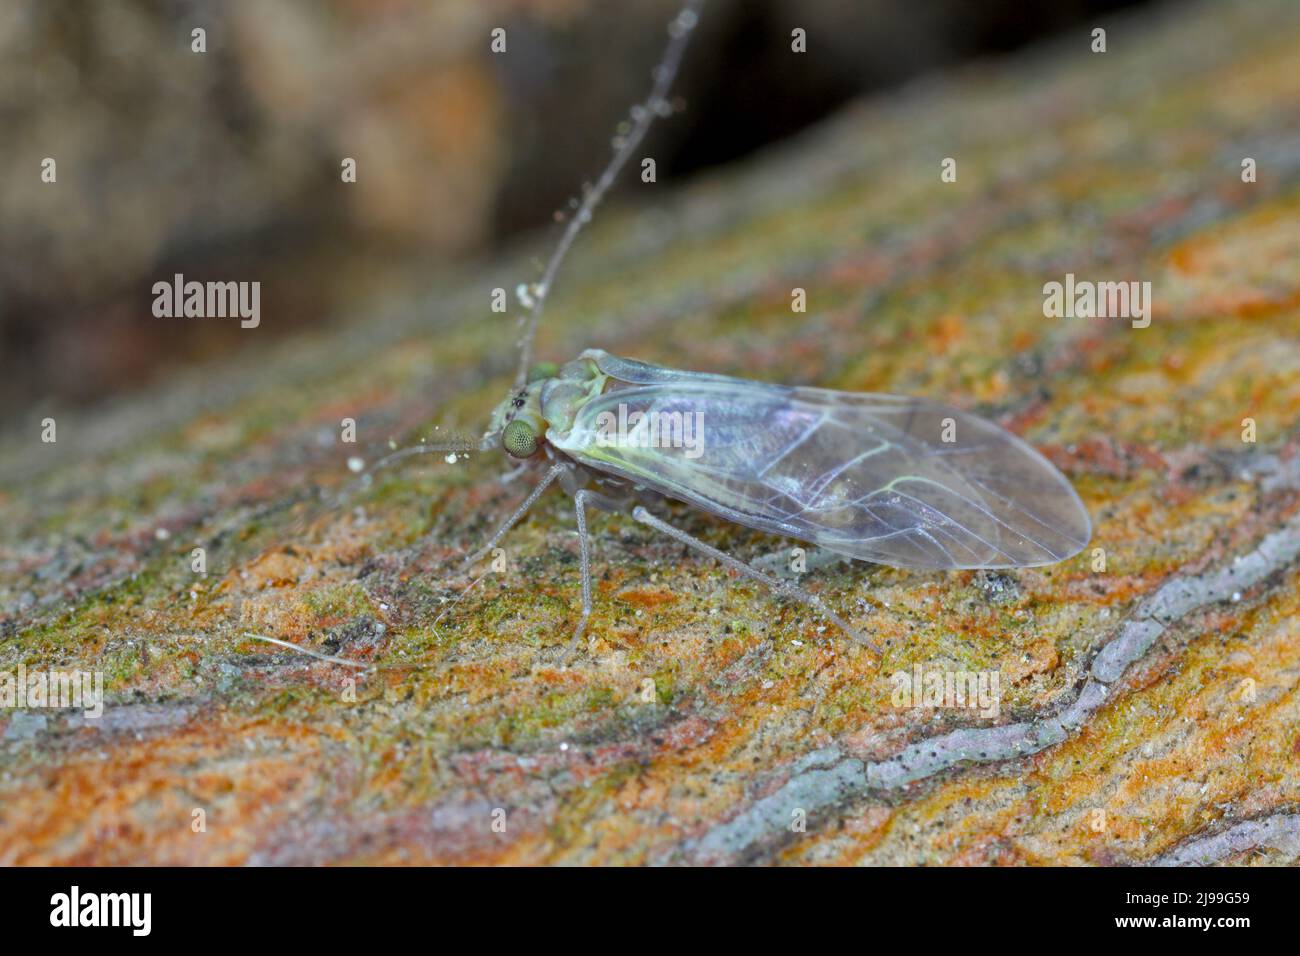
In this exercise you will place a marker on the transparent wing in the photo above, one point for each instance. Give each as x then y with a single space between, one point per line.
868 476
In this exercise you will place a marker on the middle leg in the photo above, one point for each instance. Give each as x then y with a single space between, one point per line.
781 587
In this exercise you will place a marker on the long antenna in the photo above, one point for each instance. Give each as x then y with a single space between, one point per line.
656 104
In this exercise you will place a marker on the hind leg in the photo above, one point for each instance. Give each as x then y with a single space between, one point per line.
789 590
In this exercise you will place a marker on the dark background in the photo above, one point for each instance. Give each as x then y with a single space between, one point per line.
225 165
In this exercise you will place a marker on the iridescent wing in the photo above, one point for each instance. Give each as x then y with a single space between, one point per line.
899 481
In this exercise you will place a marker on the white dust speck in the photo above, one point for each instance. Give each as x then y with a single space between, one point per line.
162 534
355 464
528 295
451 459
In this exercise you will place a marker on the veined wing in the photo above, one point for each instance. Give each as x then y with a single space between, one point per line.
868 476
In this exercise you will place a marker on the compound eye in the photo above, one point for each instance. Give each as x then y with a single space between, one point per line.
519 439
542 370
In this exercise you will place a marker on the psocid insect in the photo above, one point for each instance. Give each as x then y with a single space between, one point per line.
894 480
882 478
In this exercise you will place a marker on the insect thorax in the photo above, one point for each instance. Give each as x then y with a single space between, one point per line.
550 403
561 397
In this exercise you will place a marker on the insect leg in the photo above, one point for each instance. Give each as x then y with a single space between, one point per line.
789 590
584 550
552 473
581 499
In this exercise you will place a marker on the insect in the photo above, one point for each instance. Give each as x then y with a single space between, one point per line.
899 481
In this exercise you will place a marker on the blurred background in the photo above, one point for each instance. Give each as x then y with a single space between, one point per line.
226 165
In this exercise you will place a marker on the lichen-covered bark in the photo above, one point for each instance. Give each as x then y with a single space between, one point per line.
1149 712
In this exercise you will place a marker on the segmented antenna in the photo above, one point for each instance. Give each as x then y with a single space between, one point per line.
656 104
458 445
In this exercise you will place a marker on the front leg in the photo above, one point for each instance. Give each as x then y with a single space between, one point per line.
580 501
584 551
552 473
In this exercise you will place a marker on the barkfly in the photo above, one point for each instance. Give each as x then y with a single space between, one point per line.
893 480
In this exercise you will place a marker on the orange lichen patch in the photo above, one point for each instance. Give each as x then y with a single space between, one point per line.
647 597
1257 251
945 333
139 806
1041 657
951 828
350 548
996 388
1160 536
274 570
